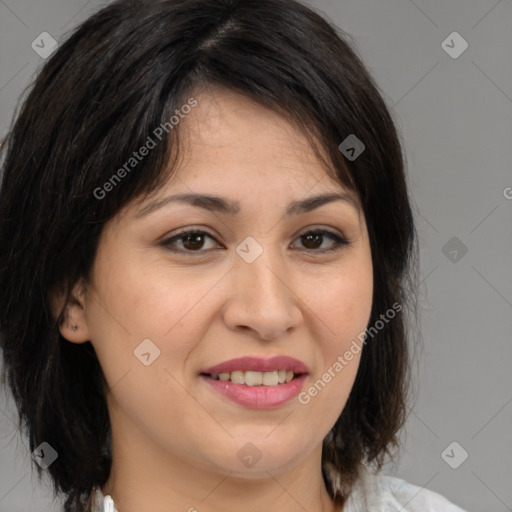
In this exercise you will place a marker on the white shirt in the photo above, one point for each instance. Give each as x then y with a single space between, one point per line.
371 493
380 493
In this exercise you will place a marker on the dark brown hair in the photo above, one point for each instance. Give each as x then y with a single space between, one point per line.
117 78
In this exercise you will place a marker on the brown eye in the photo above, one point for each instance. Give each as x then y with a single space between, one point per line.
313 240
191 241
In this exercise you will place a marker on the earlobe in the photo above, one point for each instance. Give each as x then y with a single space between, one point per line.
73 330
74 325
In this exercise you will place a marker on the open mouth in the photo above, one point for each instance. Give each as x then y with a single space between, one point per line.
257 382
251 378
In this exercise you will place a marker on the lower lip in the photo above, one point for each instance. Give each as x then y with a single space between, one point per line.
258 397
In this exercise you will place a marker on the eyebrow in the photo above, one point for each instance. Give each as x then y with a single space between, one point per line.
226 206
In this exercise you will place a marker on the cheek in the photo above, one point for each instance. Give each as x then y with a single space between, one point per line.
342 308
141 297
343 303
139 300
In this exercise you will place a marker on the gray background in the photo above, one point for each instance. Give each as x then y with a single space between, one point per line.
455 117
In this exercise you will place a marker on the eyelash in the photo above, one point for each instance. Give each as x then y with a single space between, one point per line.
339 242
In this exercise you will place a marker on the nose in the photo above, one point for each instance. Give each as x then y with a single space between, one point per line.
262 298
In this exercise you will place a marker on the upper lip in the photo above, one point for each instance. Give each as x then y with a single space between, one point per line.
258 364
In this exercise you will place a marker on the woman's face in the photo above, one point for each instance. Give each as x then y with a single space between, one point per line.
254 281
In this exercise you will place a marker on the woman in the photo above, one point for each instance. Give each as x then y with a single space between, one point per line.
207 257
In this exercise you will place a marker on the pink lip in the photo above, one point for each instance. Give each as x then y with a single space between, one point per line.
258 364
258 397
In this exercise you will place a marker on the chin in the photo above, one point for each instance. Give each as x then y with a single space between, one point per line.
254 456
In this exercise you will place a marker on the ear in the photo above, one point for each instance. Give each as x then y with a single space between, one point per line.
75 308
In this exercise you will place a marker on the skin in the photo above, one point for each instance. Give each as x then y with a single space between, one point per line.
175 439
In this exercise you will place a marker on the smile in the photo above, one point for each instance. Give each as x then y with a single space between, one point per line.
256 382
250 378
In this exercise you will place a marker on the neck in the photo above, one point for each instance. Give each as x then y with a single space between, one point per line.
145 477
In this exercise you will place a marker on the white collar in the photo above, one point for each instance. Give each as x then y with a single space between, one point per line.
103 503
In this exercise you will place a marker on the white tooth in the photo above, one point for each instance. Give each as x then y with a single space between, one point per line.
253 378
270 378
282 376
289 375
224 376
238 377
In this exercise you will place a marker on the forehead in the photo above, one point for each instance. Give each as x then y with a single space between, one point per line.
230 128
233 147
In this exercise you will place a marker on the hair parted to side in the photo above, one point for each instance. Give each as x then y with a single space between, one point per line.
119 76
